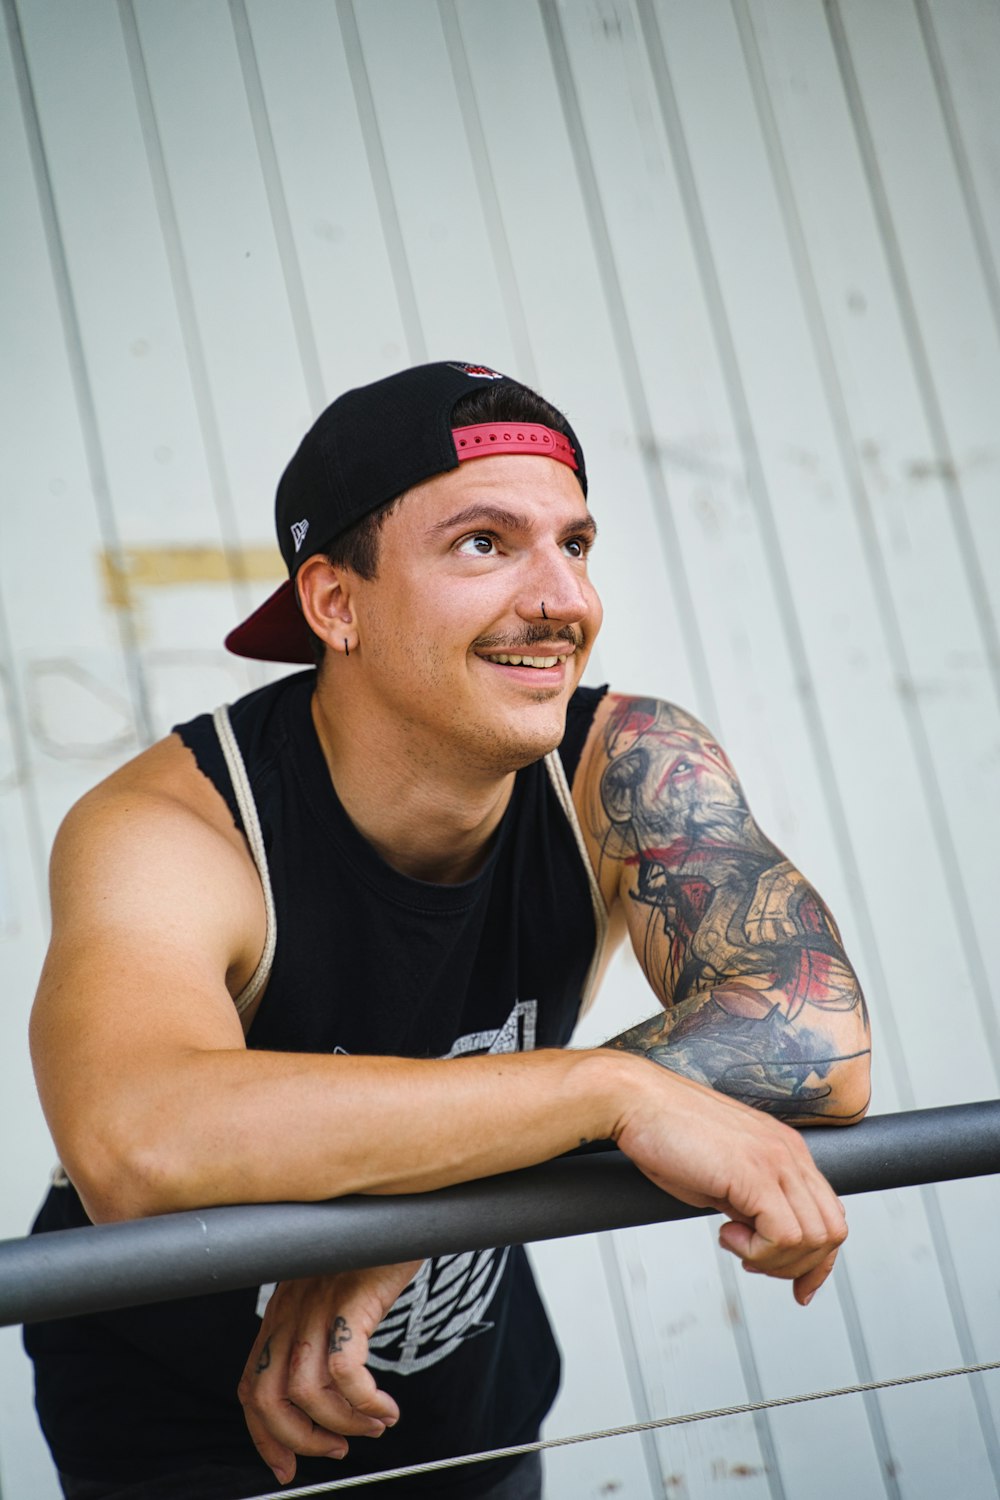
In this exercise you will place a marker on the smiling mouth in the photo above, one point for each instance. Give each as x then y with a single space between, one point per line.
541 663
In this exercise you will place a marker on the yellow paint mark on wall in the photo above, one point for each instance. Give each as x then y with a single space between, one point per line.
136 568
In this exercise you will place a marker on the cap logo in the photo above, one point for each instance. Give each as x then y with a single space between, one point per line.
299 529
483 372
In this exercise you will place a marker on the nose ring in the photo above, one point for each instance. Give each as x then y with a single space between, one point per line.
544 615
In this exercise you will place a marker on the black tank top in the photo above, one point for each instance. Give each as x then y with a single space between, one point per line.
368 961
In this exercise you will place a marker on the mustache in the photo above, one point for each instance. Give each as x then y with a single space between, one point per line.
531 635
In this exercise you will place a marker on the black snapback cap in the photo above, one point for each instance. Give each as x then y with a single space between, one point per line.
369 446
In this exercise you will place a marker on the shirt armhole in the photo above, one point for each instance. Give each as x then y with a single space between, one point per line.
251 828
557 775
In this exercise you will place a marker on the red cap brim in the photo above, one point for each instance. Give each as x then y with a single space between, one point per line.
274 632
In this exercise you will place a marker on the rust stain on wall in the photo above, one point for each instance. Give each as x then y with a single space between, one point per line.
134 568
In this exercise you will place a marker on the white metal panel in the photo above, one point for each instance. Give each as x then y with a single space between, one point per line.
239 294
962 39
50 621
599 1385
119 267
752 248
331 193
955 333
442 226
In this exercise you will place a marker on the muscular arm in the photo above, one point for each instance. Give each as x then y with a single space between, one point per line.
760 1001
154 1101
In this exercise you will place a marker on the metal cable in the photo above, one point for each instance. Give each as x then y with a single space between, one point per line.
522 1449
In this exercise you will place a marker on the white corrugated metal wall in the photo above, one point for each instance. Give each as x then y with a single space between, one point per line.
752 247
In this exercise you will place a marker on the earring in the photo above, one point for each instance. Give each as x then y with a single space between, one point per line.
347 649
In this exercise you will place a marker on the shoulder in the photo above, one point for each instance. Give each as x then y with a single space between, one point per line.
630 733
161 784
152 831
646 767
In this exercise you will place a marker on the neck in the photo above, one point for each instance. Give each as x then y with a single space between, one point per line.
427 820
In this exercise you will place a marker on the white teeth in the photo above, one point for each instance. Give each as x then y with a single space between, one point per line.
505 660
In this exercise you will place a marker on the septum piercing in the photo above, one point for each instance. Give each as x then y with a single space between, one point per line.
544 615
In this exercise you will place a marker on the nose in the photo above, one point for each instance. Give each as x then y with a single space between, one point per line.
555 588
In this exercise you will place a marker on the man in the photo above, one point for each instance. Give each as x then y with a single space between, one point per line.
336 940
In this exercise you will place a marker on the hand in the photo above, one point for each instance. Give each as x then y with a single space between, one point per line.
305 1387
713 1152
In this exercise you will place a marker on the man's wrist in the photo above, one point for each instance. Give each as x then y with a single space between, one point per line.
612 1081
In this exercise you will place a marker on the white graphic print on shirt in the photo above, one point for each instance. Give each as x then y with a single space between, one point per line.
446 1303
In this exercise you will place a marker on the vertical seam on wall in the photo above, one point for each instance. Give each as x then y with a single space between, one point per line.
23 777
488 197
281 222
893 634
406 297
863 1366
933 415
79 372
607 1245
751 1374
187 318
628 359
960 1319
963 168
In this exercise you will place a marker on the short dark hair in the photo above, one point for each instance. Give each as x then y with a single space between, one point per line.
357 548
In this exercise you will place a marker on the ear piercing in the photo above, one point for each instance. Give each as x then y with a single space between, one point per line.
347 649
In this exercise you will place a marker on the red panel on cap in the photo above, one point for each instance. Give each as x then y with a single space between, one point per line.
512 437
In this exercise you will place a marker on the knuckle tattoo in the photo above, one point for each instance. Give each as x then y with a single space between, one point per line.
340 1334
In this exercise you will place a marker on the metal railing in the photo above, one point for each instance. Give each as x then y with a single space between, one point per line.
107 1266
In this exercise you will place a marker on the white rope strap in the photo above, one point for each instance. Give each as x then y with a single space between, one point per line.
557 776
251 827
522 1449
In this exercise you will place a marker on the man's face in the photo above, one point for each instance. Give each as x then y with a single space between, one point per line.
466 564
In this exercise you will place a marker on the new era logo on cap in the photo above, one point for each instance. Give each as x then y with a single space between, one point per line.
299 529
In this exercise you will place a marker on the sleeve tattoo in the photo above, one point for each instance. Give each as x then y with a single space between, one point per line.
747 960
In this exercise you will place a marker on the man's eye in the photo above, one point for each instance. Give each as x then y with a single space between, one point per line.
577 546
480 545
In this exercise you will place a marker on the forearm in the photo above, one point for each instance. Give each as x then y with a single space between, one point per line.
241 1127
812 1069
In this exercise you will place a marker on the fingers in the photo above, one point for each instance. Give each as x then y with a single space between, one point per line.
280 1428
797 1230
711 1150
305 1388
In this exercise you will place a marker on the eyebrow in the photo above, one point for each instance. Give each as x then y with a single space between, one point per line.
507 520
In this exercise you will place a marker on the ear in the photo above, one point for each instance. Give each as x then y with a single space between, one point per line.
325 594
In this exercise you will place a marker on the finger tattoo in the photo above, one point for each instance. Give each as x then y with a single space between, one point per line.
265 1358
340 1334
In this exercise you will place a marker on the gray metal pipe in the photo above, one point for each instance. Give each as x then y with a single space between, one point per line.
218 1249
